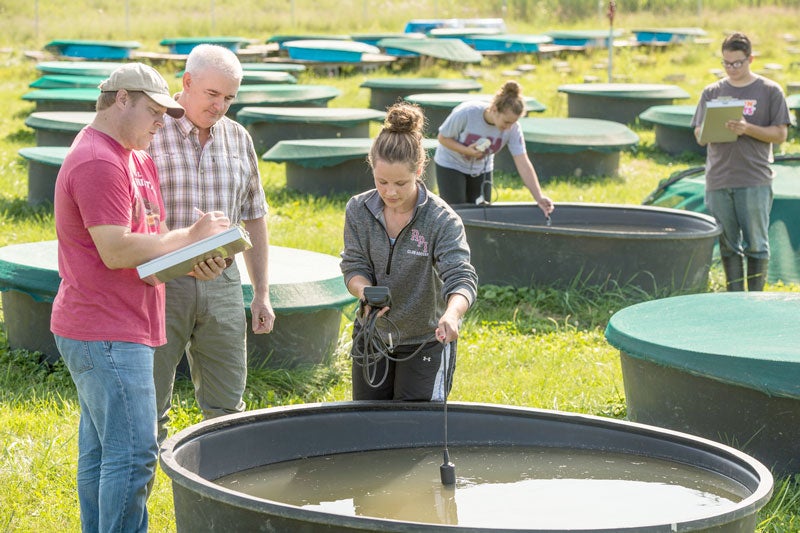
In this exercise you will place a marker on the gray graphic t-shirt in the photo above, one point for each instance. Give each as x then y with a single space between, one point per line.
466 124
745 162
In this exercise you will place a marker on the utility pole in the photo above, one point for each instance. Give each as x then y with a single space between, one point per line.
612 9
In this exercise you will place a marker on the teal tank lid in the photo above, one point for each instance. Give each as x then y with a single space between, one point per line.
744 338
630 91
423 84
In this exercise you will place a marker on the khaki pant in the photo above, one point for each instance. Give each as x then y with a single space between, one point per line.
206 321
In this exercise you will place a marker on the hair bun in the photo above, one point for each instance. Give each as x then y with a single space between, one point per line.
511 89
400 139
404 118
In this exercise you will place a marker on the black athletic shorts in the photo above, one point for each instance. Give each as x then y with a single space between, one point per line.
427 376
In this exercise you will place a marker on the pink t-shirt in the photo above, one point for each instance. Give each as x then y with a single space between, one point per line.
102 183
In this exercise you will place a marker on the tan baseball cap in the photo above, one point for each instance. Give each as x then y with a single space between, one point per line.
141 77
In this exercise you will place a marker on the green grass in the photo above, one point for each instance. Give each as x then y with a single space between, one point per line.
539 347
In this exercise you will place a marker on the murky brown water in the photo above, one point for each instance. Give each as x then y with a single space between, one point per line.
515 488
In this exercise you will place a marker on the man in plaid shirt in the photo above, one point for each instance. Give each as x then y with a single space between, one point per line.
207 162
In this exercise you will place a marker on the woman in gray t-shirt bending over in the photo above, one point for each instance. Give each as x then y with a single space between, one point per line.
468 140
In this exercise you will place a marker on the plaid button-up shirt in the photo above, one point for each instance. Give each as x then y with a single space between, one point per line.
220 176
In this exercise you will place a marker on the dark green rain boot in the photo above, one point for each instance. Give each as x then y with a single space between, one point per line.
756 273
734 273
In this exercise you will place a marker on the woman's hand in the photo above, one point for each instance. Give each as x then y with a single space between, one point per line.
546 205
448 328
474 153
368 308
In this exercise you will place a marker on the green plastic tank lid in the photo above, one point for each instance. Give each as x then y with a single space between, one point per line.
576 134
698 32
79 68
60 120
422 84
342 46
514 38
581 34
341 116
676 116
284 92
110 44
266 76
451 100
31 268
295 37
447 49
294 89
200 40
785 186
749 339
63 81
300 280
626 90
321 153
387 35
318 153
273 66
48 155
69 94
463 32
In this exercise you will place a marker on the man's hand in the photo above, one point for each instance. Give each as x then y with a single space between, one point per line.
263 317
209 224
210 268
739 127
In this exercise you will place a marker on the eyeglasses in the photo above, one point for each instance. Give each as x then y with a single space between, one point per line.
734 64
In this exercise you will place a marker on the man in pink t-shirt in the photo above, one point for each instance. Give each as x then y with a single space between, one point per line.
106 321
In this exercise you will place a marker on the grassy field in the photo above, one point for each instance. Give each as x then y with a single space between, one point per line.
534 347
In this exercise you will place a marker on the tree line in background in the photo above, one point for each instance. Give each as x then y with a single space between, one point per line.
568 11
33 23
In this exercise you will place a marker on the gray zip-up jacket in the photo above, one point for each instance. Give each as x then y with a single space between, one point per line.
428 261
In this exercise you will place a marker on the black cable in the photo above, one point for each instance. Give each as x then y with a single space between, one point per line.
487 194
447 470
370 349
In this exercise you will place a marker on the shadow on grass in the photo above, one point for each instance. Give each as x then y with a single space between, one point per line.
279 194
18 209
270 386
647 149
22 136
22 114
653 153
512 180
580 303
28 375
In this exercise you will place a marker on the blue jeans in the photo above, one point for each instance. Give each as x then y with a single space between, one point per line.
743 213
117 448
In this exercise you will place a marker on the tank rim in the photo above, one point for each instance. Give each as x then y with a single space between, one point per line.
182 476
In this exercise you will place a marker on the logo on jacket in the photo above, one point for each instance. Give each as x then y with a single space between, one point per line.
422 244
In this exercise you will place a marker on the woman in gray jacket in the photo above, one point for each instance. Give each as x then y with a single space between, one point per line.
405 238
